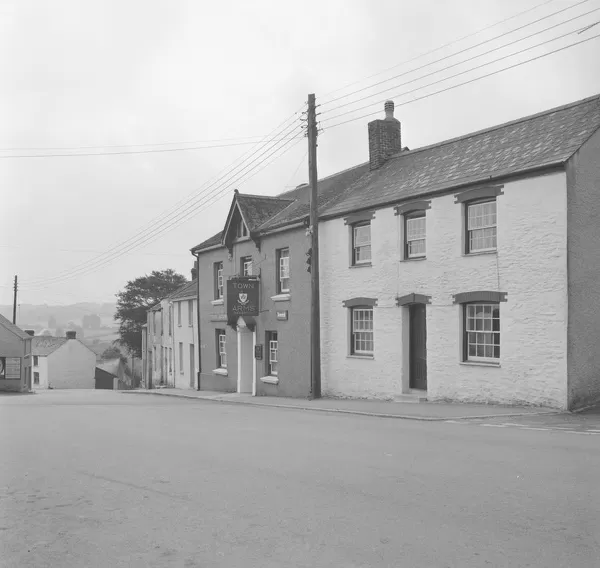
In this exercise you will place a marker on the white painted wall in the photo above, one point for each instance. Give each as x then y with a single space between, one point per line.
42 369
186 333
72 366
530 265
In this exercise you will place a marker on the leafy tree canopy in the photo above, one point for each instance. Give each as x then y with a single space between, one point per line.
137 298
113 352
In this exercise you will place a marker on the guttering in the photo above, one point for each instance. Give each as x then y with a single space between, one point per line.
197 258
558 166
287 227
196 250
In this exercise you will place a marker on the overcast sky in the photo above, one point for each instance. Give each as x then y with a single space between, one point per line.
97 73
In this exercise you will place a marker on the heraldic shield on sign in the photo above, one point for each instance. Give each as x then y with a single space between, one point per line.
242 298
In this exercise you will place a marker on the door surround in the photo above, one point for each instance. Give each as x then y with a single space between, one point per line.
246 365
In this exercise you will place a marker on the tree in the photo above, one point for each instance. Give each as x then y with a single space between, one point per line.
137 298
113 352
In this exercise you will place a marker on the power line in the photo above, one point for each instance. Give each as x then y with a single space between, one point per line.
153 151
450 77
298 168
439 48
47 250
99 147
463 51
208 200
465 82
176 209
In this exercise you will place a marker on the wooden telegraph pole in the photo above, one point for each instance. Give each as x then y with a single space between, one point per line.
15 302
315 311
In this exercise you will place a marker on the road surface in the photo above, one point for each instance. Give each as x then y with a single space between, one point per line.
104 479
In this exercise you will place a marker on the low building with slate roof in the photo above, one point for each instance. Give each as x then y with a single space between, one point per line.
62 363
15 357
468 270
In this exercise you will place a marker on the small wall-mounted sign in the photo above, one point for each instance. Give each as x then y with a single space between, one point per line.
282 315
258 352
218 317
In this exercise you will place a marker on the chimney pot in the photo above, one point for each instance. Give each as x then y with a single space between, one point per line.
71 334
389 110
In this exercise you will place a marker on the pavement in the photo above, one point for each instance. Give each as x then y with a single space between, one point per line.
100 479
427 411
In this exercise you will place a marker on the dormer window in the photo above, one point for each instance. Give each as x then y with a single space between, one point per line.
242 230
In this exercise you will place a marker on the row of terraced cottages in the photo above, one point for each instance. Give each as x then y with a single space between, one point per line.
468 270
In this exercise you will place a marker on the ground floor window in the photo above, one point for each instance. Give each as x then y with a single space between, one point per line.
180 358
362 340
482 332
36 378
272 356
221 349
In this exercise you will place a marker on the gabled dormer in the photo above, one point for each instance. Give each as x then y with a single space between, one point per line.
246 214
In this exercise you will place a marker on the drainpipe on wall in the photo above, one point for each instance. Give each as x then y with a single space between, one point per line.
197 260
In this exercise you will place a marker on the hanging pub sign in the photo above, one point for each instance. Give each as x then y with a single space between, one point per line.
242 298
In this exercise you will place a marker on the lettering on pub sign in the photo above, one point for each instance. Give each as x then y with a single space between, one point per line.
242 298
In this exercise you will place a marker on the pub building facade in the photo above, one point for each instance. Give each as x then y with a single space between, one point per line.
255 294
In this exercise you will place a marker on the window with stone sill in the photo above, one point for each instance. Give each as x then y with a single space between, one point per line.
415 234
361 243
481 226
362 340
482 332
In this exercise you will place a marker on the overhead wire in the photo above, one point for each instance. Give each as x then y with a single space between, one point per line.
261 165
451 87
176 209
206 200
454 41
477 56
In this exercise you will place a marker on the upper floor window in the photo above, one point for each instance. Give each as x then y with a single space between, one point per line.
35 360
415 234
246 266
481 226
170 316
241 229
482 332
361 340
179 314
218 276
190 312
361 243
283 270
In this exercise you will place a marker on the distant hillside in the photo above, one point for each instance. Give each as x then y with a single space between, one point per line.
45 316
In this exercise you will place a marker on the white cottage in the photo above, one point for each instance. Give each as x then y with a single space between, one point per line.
469 270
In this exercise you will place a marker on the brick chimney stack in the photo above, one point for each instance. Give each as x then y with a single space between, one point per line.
384 137
195 270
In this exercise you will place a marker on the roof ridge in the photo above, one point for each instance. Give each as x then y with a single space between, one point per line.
402 154
263 196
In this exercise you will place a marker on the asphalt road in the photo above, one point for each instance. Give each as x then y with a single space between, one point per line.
103 479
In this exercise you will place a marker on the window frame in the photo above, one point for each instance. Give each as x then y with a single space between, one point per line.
36 378
474 203
409 216
36 361
353 229
219 280
190 313
181 357
241 230
178 314
496 333
279 256
272 337
221 354
244 262
353 339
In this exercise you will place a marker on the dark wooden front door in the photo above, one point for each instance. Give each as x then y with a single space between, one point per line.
418 347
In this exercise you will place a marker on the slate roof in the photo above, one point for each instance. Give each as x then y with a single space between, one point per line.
45 344
257 209
544 139
211 242
185 291
10 326
328 189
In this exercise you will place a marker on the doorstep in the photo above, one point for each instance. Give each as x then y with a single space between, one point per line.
427 411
